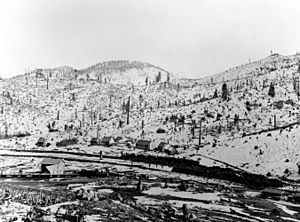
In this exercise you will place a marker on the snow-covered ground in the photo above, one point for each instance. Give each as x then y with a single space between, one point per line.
175 106
251 130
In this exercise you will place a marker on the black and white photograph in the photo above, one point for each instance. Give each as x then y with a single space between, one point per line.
149 110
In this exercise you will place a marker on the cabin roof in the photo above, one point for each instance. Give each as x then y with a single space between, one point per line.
297 195
272 191
161 144
106 138
143 142
51 161
41 140
118 138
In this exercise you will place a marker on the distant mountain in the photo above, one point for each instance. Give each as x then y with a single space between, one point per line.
124 72
116 72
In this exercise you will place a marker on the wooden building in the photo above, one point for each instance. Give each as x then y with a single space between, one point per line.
53 166
143 144
42 142
107 141
95 141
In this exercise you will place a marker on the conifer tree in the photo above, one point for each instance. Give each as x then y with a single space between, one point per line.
215 94
271 90
146 81
158 77
225 92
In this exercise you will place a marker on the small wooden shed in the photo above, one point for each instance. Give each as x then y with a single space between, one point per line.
107 140
42 142
143 144
95 141
53 166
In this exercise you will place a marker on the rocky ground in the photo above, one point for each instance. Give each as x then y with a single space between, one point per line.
139 197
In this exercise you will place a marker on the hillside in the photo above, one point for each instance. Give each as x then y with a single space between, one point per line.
123 72
244 130
120 72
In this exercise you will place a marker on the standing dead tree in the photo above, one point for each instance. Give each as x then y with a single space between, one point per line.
128 110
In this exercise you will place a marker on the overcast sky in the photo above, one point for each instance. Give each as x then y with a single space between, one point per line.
189 37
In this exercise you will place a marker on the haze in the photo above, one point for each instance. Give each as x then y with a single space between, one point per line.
193 38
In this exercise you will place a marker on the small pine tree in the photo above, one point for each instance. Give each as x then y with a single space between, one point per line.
193 131
236 118
215 94
158 77
123 106
298 165
225 92
271 90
